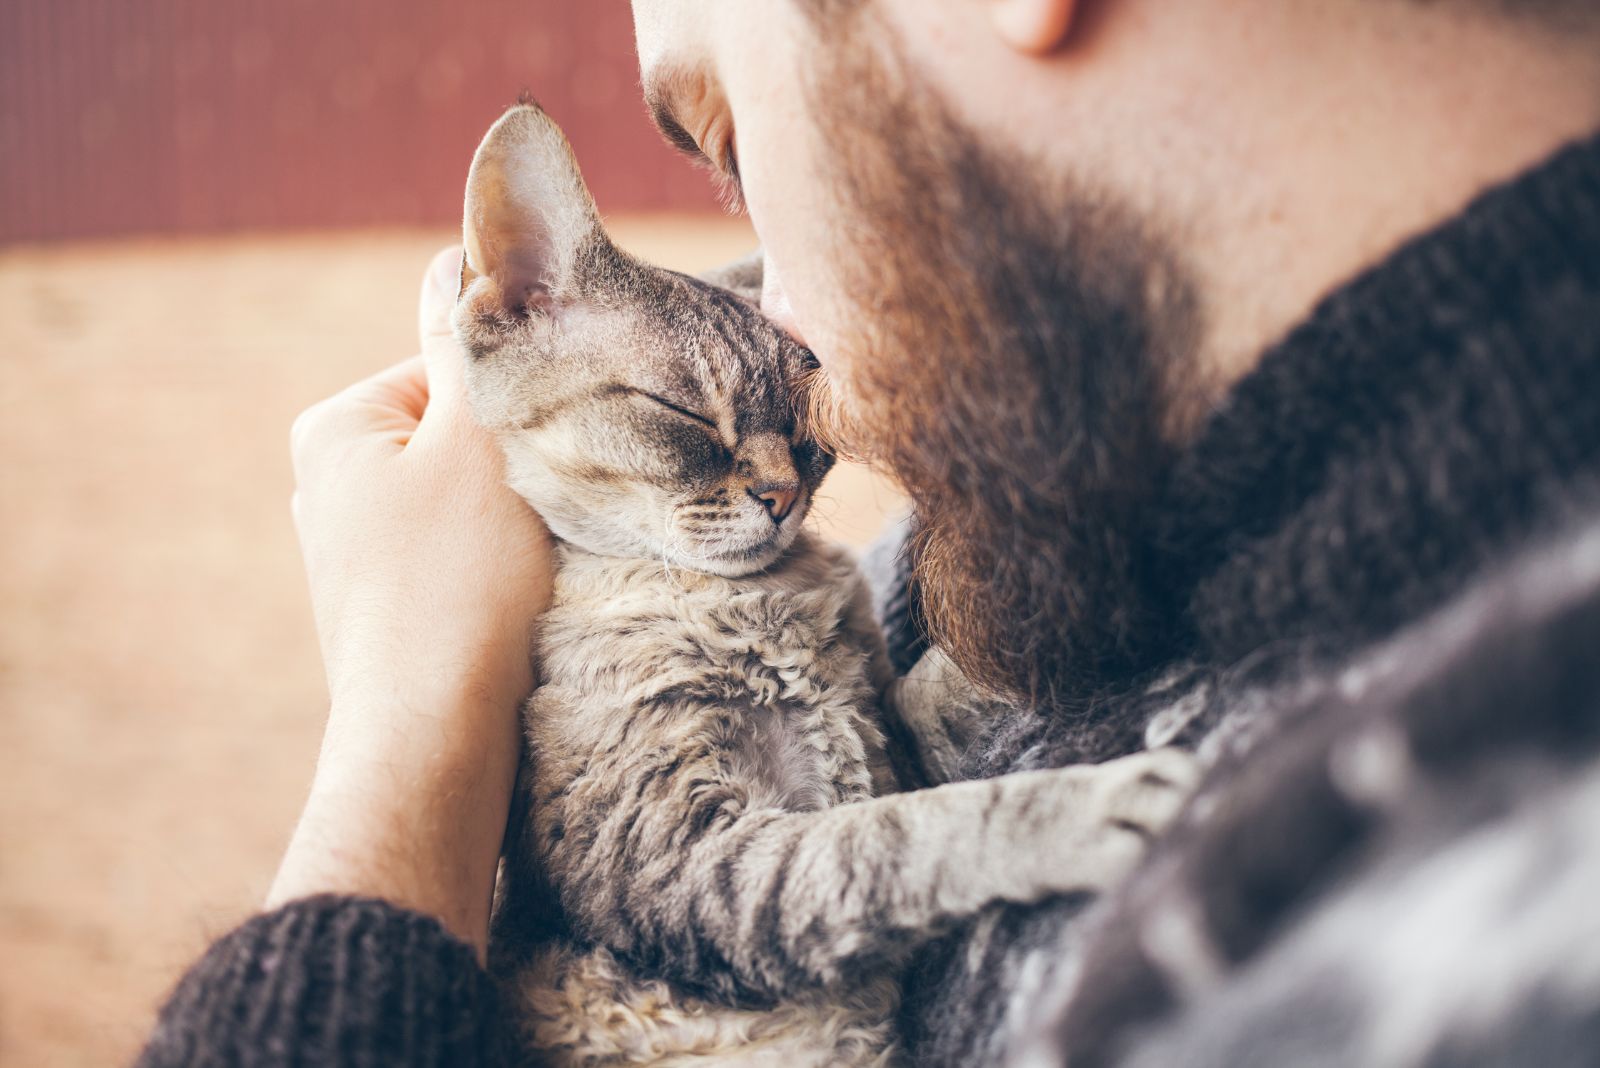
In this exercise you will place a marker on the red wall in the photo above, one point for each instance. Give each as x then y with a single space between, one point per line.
151 116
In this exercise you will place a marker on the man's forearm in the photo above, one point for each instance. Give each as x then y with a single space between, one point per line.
412 815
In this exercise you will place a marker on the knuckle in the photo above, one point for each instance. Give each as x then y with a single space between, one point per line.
314 429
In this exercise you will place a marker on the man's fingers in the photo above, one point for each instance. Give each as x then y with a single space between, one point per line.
387 405
439 290
403 388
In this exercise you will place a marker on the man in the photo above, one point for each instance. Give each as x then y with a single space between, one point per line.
1242 360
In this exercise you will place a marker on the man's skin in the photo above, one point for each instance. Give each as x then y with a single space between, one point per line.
1283 145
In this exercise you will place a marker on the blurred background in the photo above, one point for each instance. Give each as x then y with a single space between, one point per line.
211 216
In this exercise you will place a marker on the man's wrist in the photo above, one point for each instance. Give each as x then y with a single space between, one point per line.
408 806
442 725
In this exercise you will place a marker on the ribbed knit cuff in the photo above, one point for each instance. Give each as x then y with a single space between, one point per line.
333 981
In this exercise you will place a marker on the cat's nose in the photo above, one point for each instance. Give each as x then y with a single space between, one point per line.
777 498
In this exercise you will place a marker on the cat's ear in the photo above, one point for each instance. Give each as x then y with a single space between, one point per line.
529 217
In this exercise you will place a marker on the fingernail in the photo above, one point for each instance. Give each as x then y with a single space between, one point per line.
447 274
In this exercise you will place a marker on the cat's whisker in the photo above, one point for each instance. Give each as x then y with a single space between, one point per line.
667 548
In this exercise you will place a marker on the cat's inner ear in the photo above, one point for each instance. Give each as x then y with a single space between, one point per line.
529 216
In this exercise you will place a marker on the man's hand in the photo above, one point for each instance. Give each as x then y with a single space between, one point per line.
427 575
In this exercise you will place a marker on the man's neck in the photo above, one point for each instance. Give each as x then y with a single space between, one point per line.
1367 158
1433 415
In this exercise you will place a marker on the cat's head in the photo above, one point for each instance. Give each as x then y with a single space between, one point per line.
643 413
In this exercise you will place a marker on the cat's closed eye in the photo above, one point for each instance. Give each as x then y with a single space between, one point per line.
649 397
680 409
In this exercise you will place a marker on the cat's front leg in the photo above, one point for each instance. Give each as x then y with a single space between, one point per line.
766 903
1081 828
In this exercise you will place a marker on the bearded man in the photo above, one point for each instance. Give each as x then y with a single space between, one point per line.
1242 361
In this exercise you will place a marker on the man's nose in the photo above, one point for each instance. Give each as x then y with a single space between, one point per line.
777 498
775 302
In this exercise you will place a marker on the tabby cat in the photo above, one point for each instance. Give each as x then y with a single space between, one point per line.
715 864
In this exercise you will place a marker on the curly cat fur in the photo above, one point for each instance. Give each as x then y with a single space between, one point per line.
711 808
594 1007
757 691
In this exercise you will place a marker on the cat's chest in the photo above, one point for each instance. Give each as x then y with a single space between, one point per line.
772 697
784 761
758 677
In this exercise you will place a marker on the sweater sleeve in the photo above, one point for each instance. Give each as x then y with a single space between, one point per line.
334 981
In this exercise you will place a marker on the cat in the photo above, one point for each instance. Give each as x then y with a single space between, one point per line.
715 863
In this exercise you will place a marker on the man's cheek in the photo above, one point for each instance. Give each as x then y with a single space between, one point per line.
775 300
801 293
795 214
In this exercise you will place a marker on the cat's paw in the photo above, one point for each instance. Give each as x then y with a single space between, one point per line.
1144 792
1112 812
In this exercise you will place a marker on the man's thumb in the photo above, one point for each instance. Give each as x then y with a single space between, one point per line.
440 350
439 287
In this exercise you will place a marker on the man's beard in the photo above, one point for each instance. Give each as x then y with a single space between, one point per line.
1012 343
